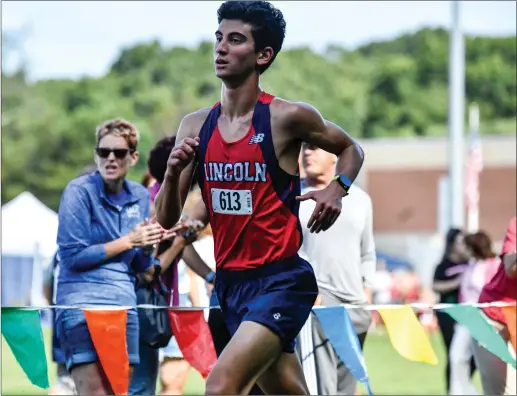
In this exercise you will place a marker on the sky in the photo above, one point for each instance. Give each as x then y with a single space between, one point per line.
70 39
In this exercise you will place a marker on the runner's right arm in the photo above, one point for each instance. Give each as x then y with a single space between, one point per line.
180 169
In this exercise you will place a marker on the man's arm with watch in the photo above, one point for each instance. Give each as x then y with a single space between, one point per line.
169 255
191 257
196 264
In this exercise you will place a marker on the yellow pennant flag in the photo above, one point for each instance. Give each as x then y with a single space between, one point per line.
407 334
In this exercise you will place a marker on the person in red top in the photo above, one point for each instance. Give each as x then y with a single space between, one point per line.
498 377
244 153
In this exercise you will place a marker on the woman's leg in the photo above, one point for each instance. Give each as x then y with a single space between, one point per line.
460 356
90 379
173 375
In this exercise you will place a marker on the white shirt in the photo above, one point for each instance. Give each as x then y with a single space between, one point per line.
343 257
205 248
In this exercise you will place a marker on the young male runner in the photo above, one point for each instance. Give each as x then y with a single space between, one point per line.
244 153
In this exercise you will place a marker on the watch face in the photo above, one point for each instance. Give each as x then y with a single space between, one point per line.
345 181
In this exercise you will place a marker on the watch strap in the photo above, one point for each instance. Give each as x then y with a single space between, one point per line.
346 184
210 278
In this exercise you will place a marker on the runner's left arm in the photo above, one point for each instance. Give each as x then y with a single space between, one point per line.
309 126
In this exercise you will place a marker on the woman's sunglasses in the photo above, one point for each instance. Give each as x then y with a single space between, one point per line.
119 153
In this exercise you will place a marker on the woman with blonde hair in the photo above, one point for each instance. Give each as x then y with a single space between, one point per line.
104 238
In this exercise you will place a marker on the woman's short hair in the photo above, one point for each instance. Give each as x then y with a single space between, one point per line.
480 244
119 127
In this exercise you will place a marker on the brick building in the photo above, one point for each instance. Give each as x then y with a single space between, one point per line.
402 177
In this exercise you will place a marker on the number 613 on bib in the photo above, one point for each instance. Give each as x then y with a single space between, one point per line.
232 202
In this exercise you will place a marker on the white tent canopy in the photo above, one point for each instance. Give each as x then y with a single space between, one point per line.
29 230
28 227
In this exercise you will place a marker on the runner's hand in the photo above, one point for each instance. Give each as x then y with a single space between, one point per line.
328 206
181 155
187 229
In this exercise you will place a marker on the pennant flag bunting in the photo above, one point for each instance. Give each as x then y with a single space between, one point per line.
21 328
511 319
23 333
482 331
194 339
407 334
108 332
340 331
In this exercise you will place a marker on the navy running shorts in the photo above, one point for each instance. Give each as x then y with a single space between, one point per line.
279 295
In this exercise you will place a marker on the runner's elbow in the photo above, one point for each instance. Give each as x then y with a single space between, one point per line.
166 217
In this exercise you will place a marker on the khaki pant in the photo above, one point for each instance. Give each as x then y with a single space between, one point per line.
497 377
462 349
333 377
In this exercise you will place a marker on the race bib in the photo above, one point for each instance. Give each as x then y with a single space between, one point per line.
232 202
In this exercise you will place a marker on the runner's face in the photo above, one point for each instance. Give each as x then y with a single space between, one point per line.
234 49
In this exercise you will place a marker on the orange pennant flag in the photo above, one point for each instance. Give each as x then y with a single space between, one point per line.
511 317
194 339
108 333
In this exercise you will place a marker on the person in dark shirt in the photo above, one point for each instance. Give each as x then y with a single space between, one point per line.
446 283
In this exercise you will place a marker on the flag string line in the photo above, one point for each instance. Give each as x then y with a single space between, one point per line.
367 307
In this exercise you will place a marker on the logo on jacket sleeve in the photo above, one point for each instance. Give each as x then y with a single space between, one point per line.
133 211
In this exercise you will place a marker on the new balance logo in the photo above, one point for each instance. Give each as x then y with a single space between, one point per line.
256 138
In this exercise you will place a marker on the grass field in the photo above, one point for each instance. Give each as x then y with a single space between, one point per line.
390 373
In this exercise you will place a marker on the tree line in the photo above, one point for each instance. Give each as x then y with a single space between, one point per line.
395 88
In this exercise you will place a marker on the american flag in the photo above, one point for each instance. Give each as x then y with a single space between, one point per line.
474 168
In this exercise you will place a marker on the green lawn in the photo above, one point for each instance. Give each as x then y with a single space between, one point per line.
389 372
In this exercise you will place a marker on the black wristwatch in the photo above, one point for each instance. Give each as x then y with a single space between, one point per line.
344 182
149 250
210 277
157 267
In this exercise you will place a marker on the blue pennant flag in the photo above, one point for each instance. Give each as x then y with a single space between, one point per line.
340 331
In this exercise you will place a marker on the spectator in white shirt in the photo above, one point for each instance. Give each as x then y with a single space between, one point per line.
344 261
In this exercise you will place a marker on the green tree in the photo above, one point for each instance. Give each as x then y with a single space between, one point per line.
391 88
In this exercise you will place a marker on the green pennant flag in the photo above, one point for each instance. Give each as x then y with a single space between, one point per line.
22 331
482 331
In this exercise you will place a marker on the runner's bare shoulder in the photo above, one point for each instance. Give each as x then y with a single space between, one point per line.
191 124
